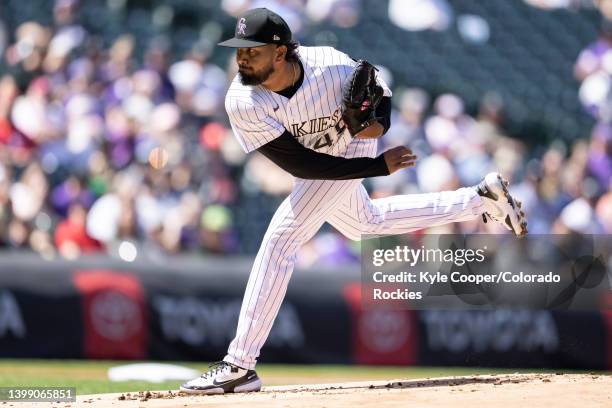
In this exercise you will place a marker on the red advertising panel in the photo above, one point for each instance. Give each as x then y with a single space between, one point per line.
114 313
381 335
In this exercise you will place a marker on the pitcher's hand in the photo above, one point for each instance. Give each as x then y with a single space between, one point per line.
398 158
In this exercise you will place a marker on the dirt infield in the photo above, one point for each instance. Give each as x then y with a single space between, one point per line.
524 390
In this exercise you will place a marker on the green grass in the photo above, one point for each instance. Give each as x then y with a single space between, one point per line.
90 377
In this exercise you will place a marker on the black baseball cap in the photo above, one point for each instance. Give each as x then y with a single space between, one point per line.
257 27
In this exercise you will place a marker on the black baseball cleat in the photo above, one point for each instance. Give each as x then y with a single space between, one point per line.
222 378
500 205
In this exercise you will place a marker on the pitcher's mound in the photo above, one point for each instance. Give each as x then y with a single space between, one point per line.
504 391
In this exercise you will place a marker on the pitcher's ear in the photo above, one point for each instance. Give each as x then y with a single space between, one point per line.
281 51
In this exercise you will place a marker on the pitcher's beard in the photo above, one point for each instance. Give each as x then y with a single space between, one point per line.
255 78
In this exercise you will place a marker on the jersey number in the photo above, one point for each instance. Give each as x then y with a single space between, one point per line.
322 142
325 140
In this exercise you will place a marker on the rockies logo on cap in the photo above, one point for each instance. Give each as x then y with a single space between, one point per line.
241 26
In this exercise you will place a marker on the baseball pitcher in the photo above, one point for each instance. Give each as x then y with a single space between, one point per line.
317 113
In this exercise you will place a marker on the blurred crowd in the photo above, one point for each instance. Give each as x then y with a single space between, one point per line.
101 151
78 125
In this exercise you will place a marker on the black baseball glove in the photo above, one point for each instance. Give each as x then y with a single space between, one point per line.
360 97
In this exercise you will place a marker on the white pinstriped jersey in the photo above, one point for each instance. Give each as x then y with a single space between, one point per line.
312 115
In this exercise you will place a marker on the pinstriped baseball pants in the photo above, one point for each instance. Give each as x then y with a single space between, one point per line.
347 206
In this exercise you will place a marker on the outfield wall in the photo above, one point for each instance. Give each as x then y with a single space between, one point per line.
187 309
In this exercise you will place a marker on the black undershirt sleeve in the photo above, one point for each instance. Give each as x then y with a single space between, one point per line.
299 161
383 113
